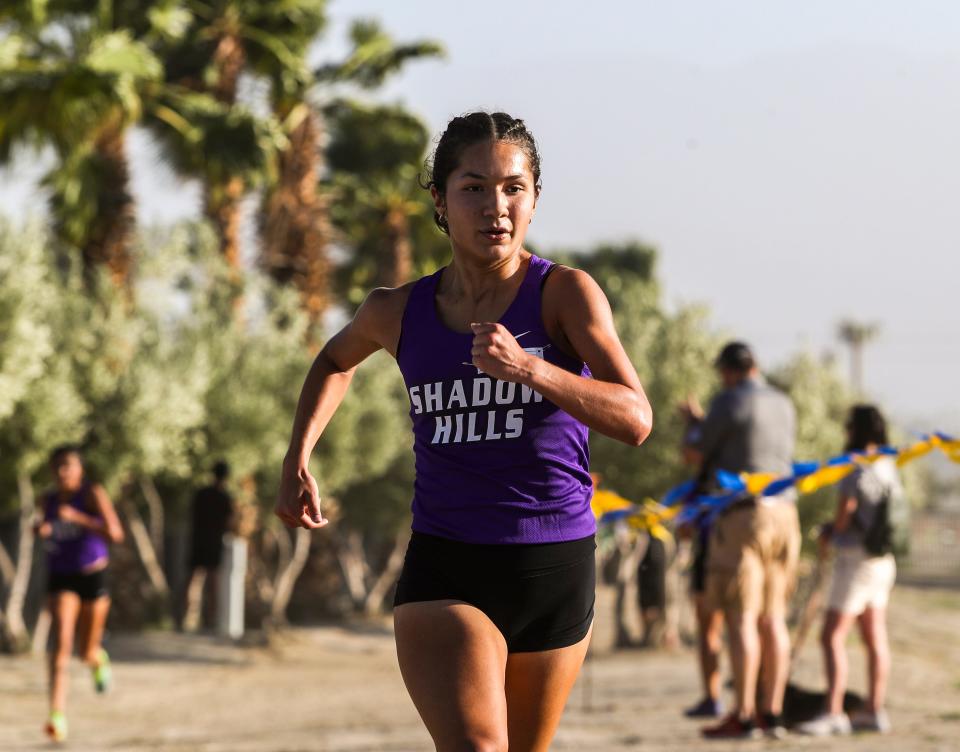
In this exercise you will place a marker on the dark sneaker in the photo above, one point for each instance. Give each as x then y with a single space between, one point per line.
772 726
732 727
706 708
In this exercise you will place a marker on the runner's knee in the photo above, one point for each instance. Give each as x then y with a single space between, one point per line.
60 660
479 741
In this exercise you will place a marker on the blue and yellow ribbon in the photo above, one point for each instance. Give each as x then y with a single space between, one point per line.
681 505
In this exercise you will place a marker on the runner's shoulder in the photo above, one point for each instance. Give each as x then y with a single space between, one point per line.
567 287
379 317
385 304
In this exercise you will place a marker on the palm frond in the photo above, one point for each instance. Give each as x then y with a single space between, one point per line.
375 56
373 139
205 138
118 54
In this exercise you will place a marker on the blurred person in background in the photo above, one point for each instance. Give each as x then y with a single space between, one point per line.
755 541
78 523
212 515
652 590
864 571
709 618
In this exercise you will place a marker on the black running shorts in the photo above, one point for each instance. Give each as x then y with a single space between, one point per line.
698 571
540 596
88 586
652 576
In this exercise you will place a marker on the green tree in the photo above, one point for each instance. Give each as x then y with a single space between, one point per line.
294 220
672 352
77 78
856 335
376 155
39 406
77 84
223 40
821 398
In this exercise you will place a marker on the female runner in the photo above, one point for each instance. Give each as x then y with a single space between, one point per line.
78 522
508 359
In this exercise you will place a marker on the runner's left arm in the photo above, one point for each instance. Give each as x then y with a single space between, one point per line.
107 524
613 401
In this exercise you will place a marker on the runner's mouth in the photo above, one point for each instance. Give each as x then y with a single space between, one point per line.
495 233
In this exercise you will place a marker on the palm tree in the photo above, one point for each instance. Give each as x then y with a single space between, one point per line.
78 79
227 38
375 155
78 91
855 335
374 57
294 221
226 146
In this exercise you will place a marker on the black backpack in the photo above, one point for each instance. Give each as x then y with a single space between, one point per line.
888 531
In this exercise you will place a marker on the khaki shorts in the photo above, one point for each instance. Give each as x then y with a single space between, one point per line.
859 582
752 560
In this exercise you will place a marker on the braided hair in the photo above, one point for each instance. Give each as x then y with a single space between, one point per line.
465 131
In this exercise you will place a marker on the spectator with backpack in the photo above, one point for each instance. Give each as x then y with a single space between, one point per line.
862 538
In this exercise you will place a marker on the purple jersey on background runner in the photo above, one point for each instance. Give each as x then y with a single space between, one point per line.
71 548
495 461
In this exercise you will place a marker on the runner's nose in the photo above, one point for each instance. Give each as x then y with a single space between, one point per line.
496 205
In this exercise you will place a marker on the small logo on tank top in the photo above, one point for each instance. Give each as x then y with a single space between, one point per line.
536 352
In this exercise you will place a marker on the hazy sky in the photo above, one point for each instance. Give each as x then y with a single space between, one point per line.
794 163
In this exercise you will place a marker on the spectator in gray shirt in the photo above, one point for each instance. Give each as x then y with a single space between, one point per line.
755 543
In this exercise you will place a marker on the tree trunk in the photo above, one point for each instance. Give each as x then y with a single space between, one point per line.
287 578
222 201
41 633
630 555
222 205
155 507
353 564
373 604
228 61
399 266
294 222
15 636
109 237
144 548
7 569
675 595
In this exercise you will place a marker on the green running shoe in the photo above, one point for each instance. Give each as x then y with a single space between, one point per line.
56 727
102 673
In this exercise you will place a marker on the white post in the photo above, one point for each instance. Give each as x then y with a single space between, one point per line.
233 574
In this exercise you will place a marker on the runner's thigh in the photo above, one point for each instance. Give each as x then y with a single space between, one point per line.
538 685
453 661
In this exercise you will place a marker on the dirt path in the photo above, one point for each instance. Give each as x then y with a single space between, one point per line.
339 689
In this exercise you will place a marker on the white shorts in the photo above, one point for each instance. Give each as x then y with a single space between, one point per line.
860 581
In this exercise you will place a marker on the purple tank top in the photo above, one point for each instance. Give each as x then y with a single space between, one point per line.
71 548
495 461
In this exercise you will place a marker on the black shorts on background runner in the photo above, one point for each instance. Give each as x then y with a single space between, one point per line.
88 586
698 571
652 576
540 596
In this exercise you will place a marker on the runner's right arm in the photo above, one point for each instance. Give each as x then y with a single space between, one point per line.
375 326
